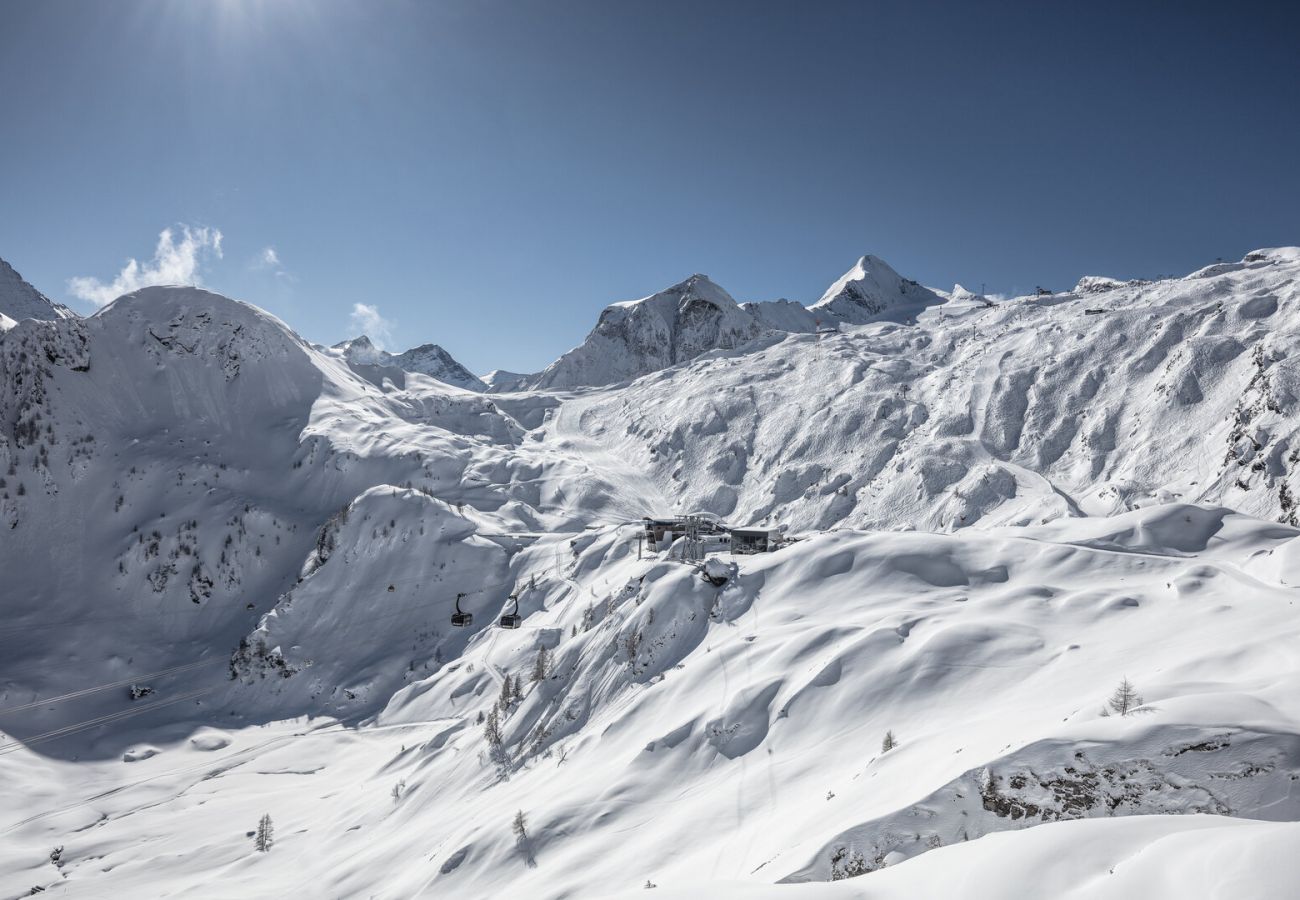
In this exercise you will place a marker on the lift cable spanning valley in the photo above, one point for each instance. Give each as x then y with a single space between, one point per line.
83 692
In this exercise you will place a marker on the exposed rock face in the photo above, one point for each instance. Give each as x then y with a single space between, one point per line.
642 336
19 300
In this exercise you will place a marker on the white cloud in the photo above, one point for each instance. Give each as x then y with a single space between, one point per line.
268 260
365 319
176 260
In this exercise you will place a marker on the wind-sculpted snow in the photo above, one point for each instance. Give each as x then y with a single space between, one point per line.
685 732
230 560
1028 410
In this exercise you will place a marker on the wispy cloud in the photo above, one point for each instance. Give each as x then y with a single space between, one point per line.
268 260
177 259
365 319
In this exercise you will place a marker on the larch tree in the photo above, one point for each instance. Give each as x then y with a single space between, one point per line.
1125 698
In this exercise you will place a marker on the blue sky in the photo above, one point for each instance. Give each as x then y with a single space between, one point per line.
488 175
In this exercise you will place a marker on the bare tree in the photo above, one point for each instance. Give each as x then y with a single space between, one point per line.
265 835
889 743
519 826
1125 699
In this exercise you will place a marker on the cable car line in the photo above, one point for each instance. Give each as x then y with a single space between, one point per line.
16 744
72 695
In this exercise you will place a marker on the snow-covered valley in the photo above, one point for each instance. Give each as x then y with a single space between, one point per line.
230 558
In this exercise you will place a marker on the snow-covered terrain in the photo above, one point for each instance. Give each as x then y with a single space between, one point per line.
230 558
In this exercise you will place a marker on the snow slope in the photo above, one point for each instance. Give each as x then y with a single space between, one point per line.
1031 409
19 300
1005 510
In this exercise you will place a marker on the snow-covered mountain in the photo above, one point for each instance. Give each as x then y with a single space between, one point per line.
500 381
19 300
677 325
1003 510
873 292
637 337
426 359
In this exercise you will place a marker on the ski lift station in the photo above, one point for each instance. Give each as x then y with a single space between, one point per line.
755 540
663 532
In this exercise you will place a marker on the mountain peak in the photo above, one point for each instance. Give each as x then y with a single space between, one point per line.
872 291
426 359
19 300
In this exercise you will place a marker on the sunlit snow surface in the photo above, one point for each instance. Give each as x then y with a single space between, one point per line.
1005 511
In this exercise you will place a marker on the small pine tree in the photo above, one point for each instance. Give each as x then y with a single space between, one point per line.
541 665
519 826
507 694
492 729
1125 699
518 693
889 743
265 835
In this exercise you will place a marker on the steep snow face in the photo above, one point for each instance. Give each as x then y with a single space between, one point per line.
6 323
19 300
426 359
872 292
642 336
187 450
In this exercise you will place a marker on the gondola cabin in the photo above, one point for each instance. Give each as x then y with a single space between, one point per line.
461 619
512 619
